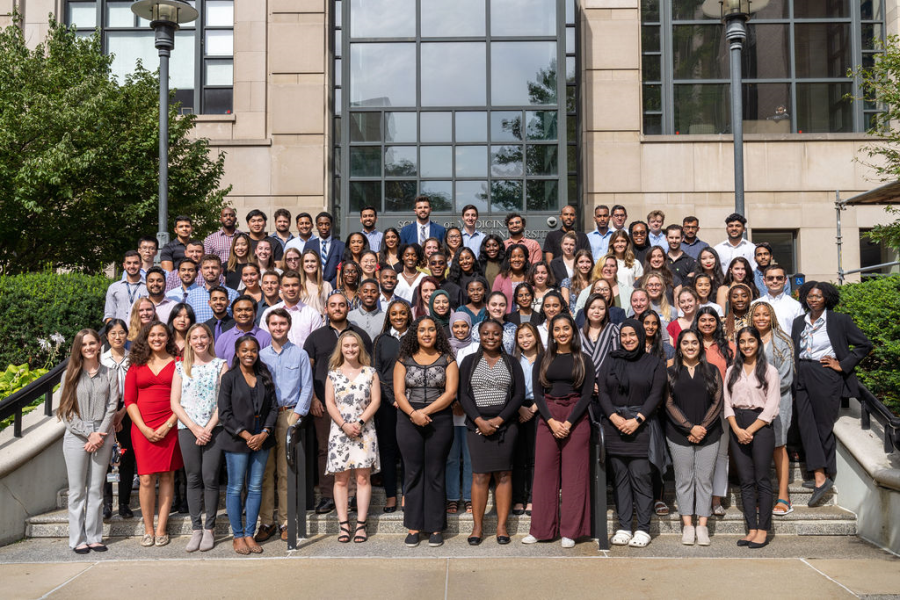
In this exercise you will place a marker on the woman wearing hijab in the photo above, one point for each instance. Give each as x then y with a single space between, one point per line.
439 310
458 461
631 386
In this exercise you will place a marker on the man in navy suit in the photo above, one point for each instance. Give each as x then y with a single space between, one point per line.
424 227
330 250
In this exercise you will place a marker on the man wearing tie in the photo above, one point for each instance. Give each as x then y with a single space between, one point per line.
424 227
329 249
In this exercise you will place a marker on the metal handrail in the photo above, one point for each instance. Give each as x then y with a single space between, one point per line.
599 506
870 406
300 492
15 403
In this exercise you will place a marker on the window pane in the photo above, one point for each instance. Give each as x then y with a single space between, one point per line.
689 10
523 73
571 99
365 161
570 40
436 161
218 101
399 196
571 158
219 43
767 52
542 195
454 74
365 127
650 39
651 69
701 109
506 195
338 47
382 18
186 99
572 196
542 160
471 127
337 102
821 108
382 75
338 13
570 12
337 160
219 72
400 161
652 97
820 9
650 11
82 14
782 246
338 72
181 65
118 14
766 108
400 127
453 19
471 161
506 161
822 49
506 126
872 33
541 125
220 13
436 127
652 124
523 17
698 52
871 9
571 69
127 48
472 192
440 193
364 193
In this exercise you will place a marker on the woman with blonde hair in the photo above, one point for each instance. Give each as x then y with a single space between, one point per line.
352 397
655 285
621 249
314 290
143 311
581 278
90 396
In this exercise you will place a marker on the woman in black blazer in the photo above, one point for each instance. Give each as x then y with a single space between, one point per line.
247 410
824 374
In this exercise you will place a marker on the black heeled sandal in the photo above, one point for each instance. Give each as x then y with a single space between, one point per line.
344 537
359 539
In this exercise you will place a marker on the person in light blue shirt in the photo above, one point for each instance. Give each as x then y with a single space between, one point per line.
656 236
187 279
472 238
368 216
198 298
600 236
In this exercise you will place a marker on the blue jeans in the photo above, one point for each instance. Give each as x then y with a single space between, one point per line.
458 448
250 466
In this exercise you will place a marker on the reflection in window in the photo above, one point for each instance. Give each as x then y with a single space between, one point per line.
541 125
523 17
400 161
472 192
399 196
436 161
506 195
364 193
471 161
460 18
506 126
454 74
440 193
506 161
523 73
383 18
822 108
400 127
437 127
382 75
365 161
365 127
702 109
471 127
541 194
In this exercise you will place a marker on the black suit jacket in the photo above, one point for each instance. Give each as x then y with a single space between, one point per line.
238 407
335 255
842 332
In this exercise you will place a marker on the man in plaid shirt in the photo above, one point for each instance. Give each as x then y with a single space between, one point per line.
219 243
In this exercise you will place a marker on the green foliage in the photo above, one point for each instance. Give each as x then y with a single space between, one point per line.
16 377
79 158
35 306
875 308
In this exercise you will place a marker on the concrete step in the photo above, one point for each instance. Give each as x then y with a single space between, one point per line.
825 520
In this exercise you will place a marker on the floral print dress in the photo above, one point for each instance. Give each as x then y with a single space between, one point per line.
352 397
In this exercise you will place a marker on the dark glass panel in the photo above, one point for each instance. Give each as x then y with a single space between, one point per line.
822 49
872 35
506 195
572 159
542 195
400 161
337 161
767 52
767 108
365 161
400 196
698 52
217 101
652 124
702 109
506 161
571 99
541 125
440 193
542 160
652 97
650 67
365 127
573 191
364 193
821 9
650 11
822 108
650 38
186 99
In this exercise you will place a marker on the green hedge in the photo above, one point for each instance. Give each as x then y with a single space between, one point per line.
875 307
38 305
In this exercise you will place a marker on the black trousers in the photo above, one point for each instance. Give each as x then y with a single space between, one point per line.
632 490
523 461
424 451
818 403
201 466
127 466
386 428
753 462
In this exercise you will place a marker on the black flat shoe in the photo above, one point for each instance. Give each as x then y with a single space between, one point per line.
436 539
518 511
99 548
412 540
743 543
389 509
473 540
84 550
503 540
325 506
528 512
107 511
125 512
819 492
755 545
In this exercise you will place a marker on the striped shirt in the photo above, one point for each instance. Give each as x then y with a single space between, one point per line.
219 243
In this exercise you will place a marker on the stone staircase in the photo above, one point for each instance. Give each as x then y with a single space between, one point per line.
827 519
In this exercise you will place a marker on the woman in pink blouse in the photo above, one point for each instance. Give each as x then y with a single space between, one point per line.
752 399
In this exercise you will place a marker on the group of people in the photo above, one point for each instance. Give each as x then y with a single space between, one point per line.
445 362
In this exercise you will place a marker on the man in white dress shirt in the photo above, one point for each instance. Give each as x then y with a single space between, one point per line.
786 308
735 245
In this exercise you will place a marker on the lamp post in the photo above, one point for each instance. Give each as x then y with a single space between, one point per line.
735 14
165 17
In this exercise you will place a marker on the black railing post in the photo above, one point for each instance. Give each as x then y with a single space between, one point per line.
865 419
599 507
48 402
17 424
296 484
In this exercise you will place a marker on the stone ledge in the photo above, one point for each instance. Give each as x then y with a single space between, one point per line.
759 137
232 143
867 447
38 432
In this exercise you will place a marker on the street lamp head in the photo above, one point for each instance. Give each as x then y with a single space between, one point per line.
732 9
169 12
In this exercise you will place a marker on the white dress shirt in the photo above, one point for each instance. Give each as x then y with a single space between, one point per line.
786 309
814 341
304 320
727 253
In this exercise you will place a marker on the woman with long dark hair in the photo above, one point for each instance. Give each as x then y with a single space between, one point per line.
656 344
409 277
703 285
553 305
513 273
563 385
708 264
453 243
476 295
739 271
116 359
247 409
524 308
693 431
464 268
356 244
88 404
631 386
386 347
389 253
426 379
751 403
737 313
492 388
148 390
601 287
528 352
599 336
491 257
427 287
181 319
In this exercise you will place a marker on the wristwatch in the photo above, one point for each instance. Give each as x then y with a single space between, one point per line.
362 423
639 419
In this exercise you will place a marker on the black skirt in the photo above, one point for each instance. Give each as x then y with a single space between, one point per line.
493 453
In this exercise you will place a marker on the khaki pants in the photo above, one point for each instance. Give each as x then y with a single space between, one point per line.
277 461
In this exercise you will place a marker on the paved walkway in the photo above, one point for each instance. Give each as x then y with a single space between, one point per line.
790 567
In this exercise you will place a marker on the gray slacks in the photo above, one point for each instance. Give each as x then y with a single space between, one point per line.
86 473
694 466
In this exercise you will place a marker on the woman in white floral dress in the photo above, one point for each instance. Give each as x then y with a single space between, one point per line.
352 397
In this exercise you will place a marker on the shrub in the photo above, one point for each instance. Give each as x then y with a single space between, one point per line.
875 307
35 306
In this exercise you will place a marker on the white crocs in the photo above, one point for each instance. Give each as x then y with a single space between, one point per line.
641 539
621 538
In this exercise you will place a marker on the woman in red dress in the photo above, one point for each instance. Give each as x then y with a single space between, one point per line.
148 389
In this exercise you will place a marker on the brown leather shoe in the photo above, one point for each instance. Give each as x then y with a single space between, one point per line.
265 532
284 534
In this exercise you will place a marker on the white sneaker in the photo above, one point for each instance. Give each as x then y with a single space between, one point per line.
568 543
529 539
687 535
702 535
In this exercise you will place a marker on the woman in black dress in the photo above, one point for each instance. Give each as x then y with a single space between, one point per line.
631 386
491 391
425 383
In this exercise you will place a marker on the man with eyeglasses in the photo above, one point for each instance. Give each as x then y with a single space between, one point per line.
786 308
764 258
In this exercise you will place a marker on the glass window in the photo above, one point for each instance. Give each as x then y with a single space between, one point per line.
440 193
471 161
541 125
822 108
220 13
382 75
365 127
437 127
523 17
118 14
523 73
382 18
219 42
400 161
82 14
821 9
127 47
365 161
472 192
400 196
460 18
364 193
436 161
702 109
506 161
822 49
506 195
454 74
471 127
220 72
400 127
541 160
542 195
218 101
506 126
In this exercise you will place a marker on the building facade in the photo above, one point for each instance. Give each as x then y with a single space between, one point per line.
339 104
